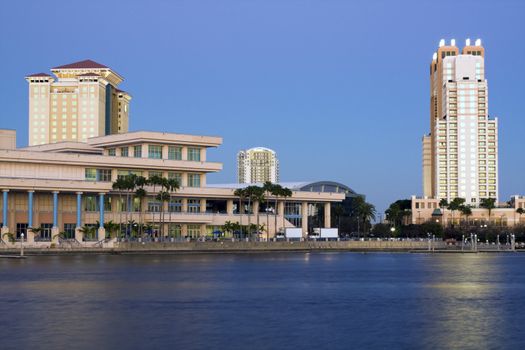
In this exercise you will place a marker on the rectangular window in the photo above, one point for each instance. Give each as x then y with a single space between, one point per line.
69 230
194 154
152 173
194 180
194 205
154 207
194 230
137 151
104 175
174 152
124 152
111 152
155 152
175 206
91 174
176 176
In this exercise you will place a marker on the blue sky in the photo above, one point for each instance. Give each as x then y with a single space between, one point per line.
340 89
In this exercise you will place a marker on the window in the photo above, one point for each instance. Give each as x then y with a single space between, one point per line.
175 206
124 152
194 180
194 230
152 173
137 151
194 154
111 152
174 152
93 174
176 176
194 205
21 228
69 230
154 207
155 152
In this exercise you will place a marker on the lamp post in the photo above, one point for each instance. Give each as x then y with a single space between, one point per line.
392 230
21 244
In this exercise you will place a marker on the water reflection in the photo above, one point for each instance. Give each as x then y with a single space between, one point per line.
263 301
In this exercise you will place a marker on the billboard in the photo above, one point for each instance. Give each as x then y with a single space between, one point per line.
329 233
294 232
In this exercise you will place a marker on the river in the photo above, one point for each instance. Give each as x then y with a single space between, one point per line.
264 301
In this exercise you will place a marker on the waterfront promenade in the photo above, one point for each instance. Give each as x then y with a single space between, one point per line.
113 247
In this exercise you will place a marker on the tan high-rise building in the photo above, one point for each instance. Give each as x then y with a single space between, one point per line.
257 165
460 155
80 101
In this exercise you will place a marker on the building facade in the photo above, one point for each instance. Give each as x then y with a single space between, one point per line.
460 154
257 165
81 100
58 189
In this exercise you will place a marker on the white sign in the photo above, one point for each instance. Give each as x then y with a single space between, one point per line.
329 233
294 232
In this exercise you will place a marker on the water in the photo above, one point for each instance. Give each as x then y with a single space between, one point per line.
264 301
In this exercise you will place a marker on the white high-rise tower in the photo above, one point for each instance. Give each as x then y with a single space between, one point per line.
460 155
257 165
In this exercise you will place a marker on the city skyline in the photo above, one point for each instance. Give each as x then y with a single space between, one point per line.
308 91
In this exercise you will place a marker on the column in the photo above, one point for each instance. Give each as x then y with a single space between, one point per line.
327 217
5 204
5 221
164 151
101 234
54 229
203 206
203 154
304 220
30 208
229 206
30 235
78 234
184 205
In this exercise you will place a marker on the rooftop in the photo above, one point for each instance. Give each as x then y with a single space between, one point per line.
85 64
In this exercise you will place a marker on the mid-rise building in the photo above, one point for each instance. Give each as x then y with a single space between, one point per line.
257 165
460 154
80 100
58 189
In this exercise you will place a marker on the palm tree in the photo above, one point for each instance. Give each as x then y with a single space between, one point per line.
130 186
241 193
465 210
520 212
163 197
172 185
140 193
454 205
88 231
119 186
285 193
267 187
155 181
367 212
254 194
489 204
36 230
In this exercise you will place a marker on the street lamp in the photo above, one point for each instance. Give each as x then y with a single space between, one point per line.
21 244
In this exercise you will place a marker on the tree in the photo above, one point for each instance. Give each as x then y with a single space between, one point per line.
285 193
241 193
267 187
465 210
254 194
443 203
88 231
172 185
520 212
397 211
489 204
162 197
119 186
155 181
455 205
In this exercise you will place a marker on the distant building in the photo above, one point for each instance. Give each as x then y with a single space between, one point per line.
257 165
83 101
460 155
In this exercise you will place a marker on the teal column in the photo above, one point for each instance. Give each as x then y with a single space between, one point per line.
4 211
30 209
101 208
55 209
79 209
